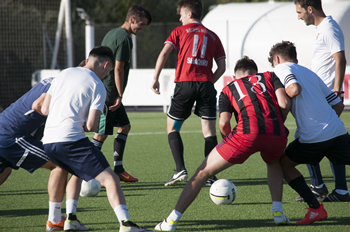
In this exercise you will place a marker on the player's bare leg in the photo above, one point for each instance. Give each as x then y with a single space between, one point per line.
275 182
72 196
112 183
297 182
212 165
55 187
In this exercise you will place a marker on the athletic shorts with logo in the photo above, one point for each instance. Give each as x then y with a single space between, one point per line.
22 152
80 158
186 94
336 150
110 119
237 148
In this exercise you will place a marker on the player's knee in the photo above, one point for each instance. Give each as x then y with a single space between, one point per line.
177 125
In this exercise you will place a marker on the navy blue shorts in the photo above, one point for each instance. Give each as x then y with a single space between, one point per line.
186 94
336 150
80 158
23 152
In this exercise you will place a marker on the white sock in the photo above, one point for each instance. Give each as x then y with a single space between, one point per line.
122 213
55 214
71 206
174 216
319 186
277 206
117 163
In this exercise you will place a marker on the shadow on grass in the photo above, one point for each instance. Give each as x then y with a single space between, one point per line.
229 225
36 212
24 192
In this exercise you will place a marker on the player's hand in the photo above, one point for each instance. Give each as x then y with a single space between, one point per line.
155 87
116 105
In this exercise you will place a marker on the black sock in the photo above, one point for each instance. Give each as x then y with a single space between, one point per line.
210 143
300 186
119 146
97 143
72 216
177 149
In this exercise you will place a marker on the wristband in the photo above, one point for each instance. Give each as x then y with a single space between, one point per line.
338 93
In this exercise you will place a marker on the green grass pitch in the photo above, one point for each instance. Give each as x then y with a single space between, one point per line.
24 198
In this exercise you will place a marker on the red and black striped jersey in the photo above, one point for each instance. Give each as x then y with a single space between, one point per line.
253 101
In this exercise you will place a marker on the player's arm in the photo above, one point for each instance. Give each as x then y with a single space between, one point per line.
283 102
225 109
38 103
220 69
293 90
162 58
91 124
340 66
224 123
119 83
338 108
46 105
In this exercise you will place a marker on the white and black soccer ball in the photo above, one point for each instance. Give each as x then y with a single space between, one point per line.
223 192
90 188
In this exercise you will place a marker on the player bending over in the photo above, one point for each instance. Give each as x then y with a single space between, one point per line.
21 130
260 106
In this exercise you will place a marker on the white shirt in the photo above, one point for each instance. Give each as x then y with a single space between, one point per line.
329 40
315 118
74 92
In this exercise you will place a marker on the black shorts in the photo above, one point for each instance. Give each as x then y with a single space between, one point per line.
336 150
186 94
109 120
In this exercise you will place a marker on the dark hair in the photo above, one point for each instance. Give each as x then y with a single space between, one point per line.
245 64
317 4
102 52
195 6
286 49
139 12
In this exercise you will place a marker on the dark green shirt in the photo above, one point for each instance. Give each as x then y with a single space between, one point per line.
120 42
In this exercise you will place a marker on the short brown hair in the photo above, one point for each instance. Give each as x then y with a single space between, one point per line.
286 49
317 4
138 12
195 6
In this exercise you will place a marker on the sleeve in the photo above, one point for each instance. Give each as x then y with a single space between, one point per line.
225 103
331 98
98 98
285 75
276 81
220 51
173 39
334 39
123 51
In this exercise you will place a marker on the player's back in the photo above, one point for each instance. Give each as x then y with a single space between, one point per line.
73 92
197 47
254 101
19 119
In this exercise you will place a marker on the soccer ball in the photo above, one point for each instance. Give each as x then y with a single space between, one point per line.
90 188
223 192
